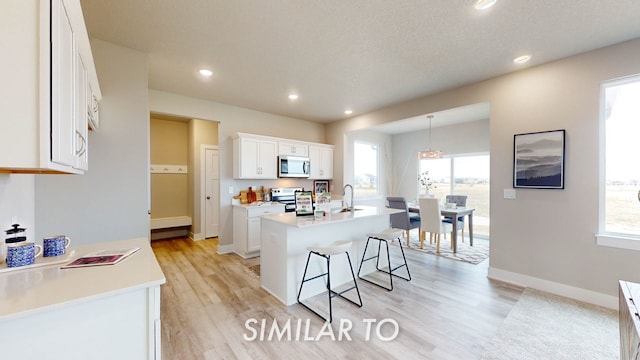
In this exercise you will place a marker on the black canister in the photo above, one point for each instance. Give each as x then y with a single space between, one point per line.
15 234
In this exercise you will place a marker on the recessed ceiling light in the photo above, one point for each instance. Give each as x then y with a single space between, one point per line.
484 4
293 97
348 112
522 59
205 72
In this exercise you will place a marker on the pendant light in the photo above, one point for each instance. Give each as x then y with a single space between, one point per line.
430 154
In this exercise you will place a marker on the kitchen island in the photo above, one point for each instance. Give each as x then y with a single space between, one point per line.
98 312
285 238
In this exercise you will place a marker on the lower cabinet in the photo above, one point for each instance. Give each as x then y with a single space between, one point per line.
246 227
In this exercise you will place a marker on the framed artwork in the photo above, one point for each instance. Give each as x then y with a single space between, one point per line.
538 160
320 186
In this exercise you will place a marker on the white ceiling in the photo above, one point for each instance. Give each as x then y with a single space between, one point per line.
357 54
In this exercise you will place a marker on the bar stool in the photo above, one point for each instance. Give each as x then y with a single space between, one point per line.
385 237
326 252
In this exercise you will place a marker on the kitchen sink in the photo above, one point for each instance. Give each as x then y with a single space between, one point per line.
344 210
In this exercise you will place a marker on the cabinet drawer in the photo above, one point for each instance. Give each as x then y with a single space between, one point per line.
264 210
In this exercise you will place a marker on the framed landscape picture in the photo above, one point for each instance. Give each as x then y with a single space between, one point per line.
320 186
538 160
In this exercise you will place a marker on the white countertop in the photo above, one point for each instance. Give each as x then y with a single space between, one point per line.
28 291
290 219
259 204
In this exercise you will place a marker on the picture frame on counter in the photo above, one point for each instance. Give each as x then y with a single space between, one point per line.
304 203
320 186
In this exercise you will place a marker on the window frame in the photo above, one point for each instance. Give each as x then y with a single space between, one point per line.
378 165
603 237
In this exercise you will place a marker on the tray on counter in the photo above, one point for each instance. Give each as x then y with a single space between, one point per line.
40 261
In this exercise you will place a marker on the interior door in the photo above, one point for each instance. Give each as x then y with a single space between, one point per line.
212 193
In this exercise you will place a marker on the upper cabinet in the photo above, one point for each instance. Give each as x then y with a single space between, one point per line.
293 148
321 158
49 95
254 157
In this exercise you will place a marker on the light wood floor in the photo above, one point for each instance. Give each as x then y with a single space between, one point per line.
450 310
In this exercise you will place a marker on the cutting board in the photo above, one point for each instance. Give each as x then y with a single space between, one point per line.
243 196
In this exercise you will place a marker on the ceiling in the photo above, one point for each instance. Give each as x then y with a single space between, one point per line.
361 55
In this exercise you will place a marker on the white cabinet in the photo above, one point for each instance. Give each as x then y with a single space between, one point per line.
246 227
321 158
46 48
81 115
293 148
109 312
254 157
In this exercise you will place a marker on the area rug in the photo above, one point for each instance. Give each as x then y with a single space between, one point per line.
255 270
472 254
546 326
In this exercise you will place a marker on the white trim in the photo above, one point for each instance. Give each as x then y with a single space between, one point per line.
170 222
580 294
618 241
196 237
225 249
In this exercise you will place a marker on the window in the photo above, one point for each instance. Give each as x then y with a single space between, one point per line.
620 196
470 176
365 169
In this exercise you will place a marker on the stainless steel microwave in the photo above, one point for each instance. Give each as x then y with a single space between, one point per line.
293 167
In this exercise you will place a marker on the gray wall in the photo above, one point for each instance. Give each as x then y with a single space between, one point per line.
111 200
544 238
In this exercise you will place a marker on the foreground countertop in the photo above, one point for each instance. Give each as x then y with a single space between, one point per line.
40 289
290 219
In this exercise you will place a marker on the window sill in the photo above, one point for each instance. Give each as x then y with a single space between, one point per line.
618 241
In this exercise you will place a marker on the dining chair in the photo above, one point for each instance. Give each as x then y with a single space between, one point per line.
460 201
404 220
432 222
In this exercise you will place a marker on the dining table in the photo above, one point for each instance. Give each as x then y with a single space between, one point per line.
454 214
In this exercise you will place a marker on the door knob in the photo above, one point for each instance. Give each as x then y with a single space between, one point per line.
208 197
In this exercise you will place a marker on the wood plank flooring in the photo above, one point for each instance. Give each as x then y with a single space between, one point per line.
450 310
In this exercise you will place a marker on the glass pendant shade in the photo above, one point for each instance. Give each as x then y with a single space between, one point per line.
430 154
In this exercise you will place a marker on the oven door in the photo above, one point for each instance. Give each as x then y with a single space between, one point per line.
293 167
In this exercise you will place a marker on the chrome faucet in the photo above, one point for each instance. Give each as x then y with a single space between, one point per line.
344 192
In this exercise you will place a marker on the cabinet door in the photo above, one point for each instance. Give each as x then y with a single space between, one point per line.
268 168
327 163
249 164
321 158
62 83
295 149
253 234
81 114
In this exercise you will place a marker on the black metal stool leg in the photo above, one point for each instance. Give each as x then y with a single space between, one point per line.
405 261
330 293
391 269
377 257
329 287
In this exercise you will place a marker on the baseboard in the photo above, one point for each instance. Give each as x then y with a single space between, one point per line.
225 249
579 294
196 237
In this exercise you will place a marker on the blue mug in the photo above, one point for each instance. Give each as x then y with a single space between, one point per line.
23 253
55 245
